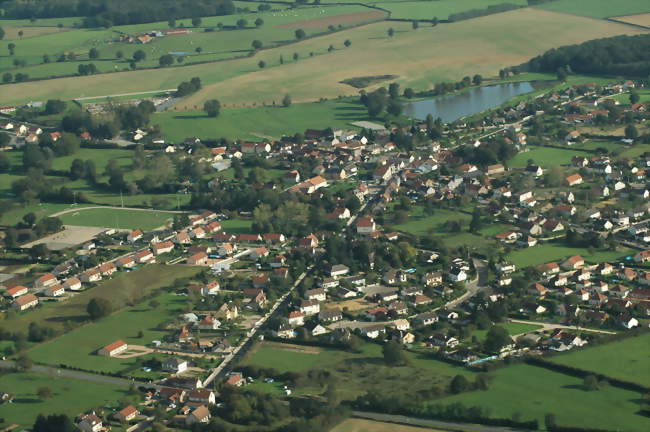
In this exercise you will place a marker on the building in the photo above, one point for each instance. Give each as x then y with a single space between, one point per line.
174 364
48 279
72 284
366 225
126 414
16 291
162 247
54 291
25 302
199 415
200 258
90 423
113 349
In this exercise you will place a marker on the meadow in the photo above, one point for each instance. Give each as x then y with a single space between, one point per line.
119 290
534 392
420 224
597 8
426 10
419 57
118 218
79 347
626 359
544 157
556 251
71 397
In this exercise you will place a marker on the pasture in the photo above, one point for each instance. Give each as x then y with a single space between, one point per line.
534 392
427 10
120 289
627 359
419 57
145 220
556 251
69 396
597 8
544 157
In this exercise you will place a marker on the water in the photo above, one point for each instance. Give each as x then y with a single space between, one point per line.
452 107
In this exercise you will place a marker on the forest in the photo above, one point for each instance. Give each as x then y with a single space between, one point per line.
107 13
620 55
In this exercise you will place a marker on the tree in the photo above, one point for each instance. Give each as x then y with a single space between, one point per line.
286 101
259 22
39 251
44 393
409 93
46 58
5 162
119 54
93 53
98 308
166 60
2 33
394 107
347 43
550 421
54 106
458 384
391 32
29 219
300 34
256 44
415 25
591 383
477 80
196 21
242 23
393 354
7 77
24 362
139 55
20 34
496 338
631 132
198 50
295 56
171 22
393 90
634 97
561 74
554 176
212 107
261 64
477 222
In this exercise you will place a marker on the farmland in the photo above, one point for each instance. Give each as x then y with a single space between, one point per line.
118 291
117 218
69 397
556 251
362 425
626 359
474 46
640 19
534 392
426 10
597 8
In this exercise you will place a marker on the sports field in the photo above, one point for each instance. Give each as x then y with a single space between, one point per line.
419 57
628 359
534 392
598 8
557 252
71 397
427 10
117 218
119 290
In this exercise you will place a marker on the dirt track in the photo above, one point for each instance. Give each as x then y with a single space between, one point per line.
351 18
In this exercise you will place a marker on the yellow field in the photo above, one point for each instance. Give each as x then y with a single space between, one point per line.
362 425
11 33
639 19
420 58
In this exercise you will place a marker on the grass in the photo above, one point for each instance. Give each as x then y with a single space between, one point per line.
533 392
556 251
236 226
626 359
261 122
71 397
513 329
117 218
363 425
624 98
100 157
597 8
421 224
118 290
419 57
440 9
544 157
78 348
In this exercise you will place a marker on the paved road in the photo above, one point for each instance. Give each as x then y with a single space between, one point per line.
473 287
400 419
553 326
76 209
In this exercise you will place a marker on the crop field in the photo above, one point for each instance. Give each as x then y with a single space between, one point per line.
639 19
117 290
79 347
626 359
534 392
117 218
597 8
71 397
261 122
547 252
363 425
419 57
278 28
441 9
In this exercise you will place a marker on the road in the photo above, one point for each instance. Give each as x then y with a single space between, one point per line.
473 287
125 94
553 326
400 419
76 209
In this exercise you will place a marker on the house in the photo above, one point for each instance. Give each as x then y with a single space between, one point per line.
421 300
16 291
200 414
642 257
373 331
226 249
330 315
573 180
113 349
107 269
134 236
202 396
91 275
144 256
198 259
236 379
338 270
162 247
401 324
126 262
25 302
256 297
432 279
317 294
549 268
260 252
274 238
209 322
457 274
228 311
260 281
72 284
537 289
399 307
174 364
48 279
90 423
126 414
495 169
309 307
426 318
366 225
54 291
182 238
296 318
443 340
573 263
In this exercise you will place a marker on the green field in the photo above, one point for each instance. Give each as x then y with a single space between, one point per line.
514 329
100 157
598 8
544 157
473 46
421 224
628 359
236 226
70 397
624 98
427 9
118 290
262 122
145 220
533 392
557 252
78 348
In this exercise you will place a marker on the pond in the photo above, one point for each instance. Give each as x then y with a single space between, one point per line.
452 107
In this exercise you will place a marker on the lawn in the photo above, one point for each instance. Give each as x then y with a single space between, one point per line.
513 329
261 122
533 392
78 348
597 8
426 10
100 157
624 98
145 220
421 224
555 251
118 290
544 157
71 397
473 46
628 359
286 357
236 226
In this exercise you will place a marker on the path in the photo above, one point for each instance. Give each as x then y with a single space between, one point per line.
553 326
125 94
76 209
400 419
